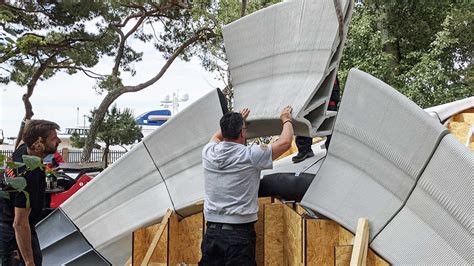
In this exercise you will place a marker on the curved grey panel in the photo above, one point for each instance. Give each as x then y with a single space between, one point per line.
126 196
88 258
445 111
436 226
381 143
176 148
287 54
61 242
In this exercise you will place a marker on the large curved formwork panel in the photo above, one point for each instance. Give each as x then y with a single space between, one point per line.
287 54
436 225
447 110
176 148
128 195
381 143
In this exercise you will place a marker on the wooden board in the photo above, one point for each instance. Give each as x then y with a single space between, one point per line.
259 229
160 254
361 240
174 252
321 237
273 234
151 243
141 241
293 231
346 237
343 257
190 238
300 210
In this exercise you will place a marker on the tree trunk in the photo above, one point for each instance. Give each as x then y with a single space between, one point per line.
97 119
105 156
243 8
28 115
390 47
30 87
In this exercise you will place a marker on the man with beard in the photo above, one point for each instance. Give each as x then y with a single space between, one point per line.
18 240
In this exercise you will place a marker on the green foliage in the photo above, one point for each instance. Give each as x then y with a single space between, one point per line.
423 49
119 127
51 34
18 183
77 141
32 162
14 165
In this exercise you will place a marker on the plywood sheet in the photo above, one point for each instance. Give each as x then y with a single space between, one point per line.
294 237
190 238
273 232
259 229
142 239
321 237
160 254
343 257
174 256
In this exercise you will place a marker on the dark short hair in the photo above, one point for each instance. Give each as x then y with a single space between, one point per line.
37 128
231 125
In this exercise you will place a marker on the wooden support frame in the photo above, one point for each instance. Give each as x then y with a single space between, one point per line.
286 235
156 238
361 243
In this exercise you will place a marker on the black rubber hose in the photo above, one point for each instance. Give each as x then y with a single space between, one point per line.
285 185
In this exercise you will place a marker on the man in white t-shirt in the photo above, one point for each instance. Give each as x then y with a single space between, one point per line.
231 180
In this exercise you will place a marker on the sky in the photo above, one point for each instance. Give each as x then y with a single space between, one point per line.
58 98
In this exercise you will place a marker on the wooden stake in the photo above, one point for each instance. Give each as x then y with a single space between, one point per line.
156 238
129 261
361 242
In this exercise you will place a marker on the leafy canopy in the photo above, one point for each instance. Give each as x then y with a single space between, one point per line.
423 49
51 36
119 127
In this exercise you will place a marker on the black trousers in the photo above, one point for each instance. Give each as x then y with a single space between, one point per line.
14 258
228 245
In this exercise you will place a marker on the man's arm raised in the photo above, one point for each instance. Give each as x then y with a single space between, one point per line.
284 141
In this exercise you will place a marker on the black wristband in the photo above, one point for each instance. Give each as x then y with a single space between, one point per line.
287 122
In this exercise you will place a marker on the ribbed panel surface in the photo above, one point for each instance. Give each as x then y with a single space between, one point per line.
441 211
381 143
61 242
286 54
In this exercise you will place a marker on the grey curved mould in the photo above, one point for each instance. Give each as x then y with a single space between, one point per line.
447 110
162 172
381 143
287 54
436 225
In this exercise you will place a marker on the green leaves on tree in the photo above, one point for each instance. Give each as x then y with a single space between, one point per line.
422 49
